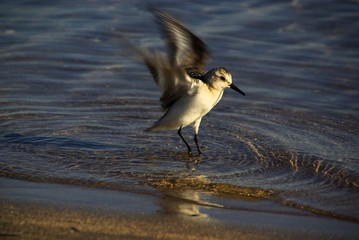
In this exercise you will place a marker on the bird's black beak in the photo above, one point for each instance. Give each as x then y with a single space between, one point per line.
234 87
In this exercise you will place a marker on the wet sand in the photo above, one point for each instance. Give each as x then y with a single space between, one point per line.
33 221
52 211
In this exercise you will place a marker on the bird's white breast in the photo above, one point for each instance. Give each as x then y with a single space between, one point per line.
195 104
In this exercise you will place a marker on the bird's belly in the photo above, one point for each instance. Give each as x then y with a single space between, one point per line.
189 109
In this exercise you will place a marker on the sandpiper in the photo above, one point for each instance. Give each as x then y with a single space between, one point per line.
188 93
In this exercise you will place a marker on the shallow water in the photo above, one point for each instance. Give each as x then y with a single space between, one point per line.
74 104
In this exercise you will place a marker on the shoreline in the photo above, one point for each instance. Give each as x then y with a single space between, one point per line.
50 211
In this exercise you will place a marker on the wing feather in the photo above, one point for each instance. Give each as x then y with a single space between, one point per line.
178 73
173 82
186 50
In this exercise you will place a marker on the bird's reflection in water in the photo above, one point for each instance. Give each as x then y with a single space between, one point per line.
183 202
180 199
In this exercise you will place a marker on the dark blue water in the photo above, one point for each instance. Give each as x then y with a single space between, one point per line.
74 102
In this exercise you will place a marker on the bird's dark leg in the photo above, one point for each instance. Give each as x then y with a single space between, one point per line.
188 147
196 141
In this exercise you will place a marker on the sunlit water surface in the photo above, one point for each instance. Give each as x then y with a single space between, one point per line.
74 103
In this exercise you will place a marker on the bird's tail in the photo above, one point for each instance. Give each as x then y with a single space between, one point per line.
150 129
154 128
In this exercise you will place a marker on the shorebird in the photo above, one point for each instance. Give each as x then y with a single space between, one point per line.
188 93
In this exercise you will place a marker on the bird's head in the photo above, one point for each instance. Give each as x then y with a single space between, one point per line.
220 78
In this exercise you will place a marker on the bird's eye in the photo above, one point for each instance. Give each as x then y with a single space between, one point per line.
222 78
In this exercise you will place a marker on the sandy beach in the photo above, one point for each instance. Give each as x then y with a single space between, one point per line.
52 211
